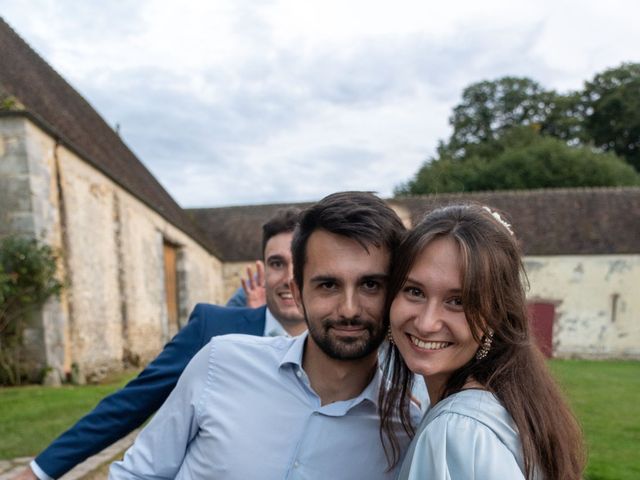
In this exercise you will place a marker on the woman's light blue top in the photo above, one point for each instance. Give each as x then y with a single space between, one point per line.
468 435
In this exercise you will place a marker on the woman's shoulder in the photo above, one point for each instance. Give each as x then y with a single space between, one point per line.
478 410
468 431
475 404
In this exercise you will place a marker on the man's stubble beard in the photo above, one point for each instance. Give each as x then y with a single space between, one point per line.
346 348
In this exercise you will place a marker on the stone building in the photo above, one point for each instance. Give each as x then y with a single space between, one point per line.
135 263
582 256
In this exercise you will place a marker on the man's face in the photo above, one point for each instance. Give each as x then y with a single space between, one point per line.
343 295
278 271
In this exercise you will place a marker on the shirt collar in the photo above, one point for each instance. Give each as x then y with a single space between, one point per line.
294 354
272 327
294 357
371 391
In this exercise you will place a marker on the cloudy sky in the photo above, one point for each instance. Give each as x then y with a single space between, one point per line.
234 102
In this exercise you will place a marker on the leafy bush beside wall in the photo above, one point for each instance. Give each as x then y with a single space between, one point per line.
27 280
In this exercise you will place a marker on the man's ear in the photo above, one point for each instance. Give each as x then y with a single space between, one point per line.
297 294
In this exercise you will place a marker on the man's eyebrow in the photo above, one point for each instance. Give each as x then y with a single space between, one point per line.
322 278
376 276
275 256
381 277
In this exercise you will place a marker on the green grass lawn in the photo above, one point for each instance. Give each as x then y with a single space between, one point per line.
32 416
604 395
606 399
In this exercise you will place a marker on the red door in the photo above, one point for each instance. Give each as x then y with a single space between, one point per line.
541 316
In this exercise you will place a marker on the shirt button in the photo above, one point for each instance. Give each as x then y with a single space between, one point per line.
296 464
299 373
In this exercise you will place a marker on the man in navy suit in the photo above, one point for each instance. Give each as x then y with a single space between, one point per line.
120 413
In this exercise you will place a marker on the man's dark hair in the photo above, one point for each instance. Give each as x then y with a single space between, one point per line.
283 221
361 216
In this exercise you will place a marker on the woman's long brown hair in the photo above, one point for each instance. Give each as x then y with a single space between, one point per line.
514 370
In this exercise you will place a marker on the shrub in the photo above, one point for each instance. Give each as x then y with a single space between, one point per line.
27 280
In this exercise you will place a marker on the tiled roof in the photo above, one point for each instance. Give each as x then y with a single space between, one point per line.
51 102
558 221
547 222
236 232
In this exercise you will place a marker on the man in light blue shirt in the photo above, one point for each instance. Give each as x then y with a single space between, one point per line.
245 409
306 407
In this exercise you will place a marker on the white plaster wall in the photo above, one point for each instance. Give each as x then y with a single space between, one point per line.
141 276
204 283
199 276
583 288
96 323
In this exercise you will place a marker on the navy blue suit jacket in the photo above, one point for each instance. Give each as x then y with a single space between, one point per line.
123 411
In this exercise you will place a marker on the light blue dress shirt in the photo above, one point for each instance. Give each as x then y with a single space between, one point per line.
468 435
244 409
272 327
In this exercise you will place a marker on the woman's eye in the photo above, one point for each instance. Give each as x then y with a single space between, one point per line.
413 292
455 302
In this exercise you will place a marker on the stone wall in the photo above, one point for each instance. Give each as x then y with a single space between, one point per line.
29 206
114 310
597 303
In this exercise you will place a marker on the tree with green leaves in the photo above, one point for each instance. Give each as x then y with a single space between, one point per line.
612 100
501 123
550 163
489 108
524 160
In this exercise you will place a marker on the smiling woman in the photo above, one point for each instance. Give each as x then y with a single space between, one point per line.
458 318
429 324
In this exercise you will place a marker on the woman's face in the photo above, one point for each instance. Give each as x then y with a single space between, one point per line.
427 317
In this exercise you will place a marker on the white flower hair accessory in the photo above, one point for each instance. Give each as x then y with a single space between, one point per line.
500 220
